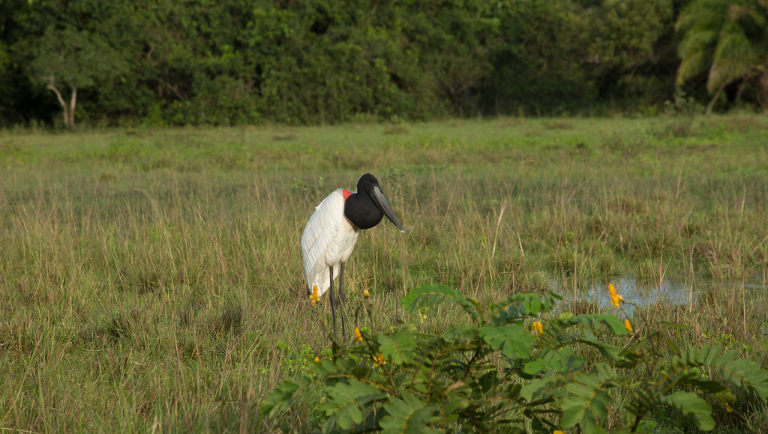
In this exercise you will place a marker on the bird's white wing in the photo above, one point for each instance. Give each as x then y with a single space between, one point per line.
318 238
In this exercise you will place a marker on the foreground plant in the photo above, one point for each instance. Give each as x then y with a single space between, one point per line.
552 375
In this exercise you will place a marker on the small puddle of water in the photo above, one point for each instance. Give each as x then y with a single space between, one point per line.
669 292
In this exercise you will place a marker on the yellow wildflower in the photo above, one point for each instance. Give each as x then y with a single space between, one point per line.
314 297
558 431
728 408
616 299
627 325
366 294
358 335
378 361
317 359
537 327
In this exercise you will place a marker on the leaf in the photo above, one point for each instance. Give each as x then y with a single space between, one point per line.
590 425
408 416
742 372
614 324
429 295
691 404
456 397
563 360
532 304
398 348
588 399
326 367
709 386
280 399
343 402
513 340
745 372
540 388
536 366
369 424
529 305
608 351
468 331
606 371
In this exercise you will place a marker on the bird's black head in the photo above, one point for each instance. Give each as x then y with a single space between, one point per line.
367 182
368 206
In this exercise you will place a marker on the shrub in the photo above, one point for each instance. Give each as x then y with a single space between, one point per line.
515 367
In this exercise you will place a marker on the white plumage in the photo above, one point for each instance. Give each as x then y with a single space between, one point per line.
328 241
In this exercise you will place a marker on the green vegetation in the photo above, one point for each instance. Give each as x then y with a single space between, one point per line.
729 41
151 279
231 62
492 375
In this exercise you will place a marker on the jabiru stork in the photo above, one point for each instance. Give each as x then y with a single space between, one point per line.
331 234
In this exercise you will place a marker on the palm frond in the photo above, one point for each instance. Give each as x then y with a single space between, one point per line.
727 37
695 42
693 65
703 15
733 43
729 69
737 12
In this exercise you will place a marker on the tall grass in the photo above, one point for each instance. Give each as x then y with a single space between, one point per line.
151 280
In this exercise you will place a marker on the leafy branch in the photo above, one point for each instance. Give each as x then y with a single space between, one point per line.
514 365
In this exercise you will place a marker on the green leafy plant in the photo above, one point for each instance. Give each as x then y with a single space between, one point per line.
516 366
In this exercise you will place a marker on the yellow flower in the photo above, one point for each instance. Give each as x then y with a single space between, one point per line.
537 327
616 299
627 325
317 359
314 297
558 431
728 408
358 335
366 294
378 361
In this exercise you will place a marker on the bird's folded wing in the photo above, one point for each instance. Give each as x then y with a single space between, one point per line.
320 233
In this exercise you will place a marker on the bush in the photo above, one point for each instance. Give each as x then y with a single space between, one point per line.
515 366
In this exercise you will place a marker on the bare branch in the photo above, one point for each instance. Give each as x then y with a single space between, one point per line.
72 107
174 88
52 87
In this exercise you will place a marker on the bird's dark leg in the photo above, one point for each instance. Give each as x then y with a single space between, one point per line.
333 302
343 301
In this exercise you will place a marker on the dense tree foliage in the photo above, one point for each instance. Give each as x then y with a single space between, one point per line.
727 40
176 62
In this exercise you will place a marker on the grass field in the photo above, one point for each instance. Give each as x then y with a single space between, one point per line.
151 280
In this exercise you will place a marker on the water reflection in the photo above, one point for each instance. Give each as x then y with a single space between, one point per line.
669 292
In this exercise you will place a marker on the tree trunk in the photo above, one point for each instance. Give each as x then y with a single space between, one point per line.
762 89
61 101
740 90
72 107
714 99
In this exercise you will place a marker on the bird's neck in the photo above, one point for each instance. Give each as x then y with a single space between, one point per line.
361 211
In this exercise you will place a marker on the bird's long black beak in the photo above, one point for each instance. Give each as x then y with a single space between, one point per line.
383 204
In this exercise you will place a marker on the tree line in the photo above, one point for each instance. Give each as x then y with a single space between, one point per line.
220 62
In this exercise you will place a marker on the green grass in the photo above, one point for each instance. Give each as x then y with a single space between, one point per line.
151 280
